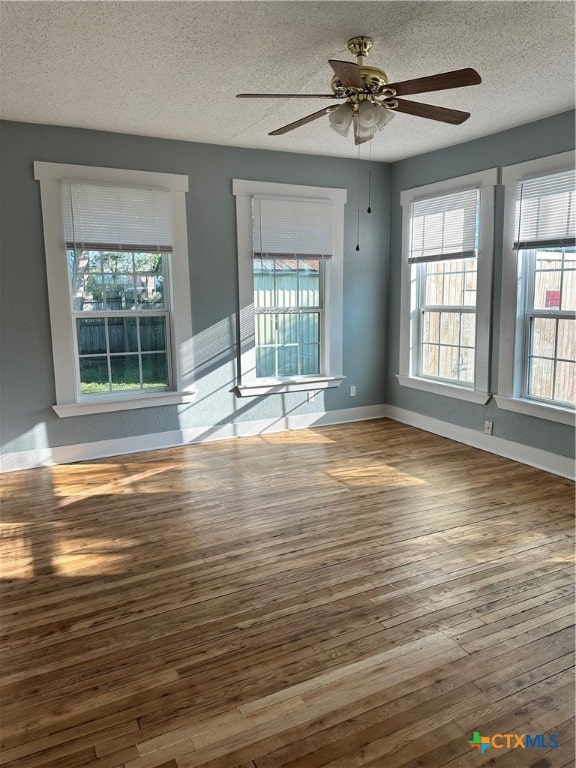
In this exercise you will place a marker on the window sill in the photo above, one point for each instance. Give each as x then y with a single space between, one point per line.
123 403
281 386
538 410
447 390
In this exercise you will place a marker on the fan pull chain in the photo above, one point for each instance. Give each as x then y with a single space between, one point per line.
358 203
369 209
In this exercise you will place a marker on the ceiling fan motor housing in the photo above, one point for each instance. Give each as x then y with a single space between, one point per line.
375 80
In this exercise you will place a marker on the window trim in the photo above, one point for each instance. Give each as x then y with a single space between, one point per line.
68 403
331 351
486 182
512 315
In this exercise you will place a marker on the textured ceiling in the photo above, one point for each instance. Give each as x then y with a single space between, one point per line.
172 69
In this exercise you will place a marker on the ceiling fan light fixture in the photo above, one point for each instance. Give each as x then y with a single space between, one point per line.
367 117
383 116
363 133
341 119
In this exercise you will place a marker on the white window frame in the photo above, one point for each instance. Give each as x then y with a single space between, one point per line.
485 182
68 401
512 323
331 345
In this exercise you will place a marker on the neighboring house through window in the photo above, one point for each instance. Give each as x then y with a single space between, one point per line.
118 287
537 367
446 286
290 242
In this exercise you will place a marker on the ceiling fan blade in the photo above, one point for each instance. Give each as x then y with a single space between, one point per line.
302 121
287 96
348 72
430 111
455 79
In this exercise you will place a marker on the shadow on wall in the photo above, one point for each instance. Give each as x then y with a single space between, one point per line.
210 361
207 362
215 365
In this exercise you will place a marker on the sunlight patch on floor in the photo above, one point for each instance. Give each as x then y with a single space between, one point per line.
29 550
377 475
91 564
101 479
16 561
295 437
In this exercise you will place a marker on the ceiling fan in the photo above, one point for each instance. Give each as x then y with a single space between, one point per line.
369 100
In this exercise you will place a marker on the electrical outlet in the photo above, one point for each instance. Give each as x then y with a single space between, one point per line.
353 390
488 427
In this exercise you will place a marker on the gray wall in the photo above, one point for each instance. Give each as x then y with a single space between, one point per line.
28 421
526 142
371 280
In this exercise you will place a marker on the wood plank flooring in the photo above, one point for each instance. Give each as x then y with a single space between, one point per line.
359 595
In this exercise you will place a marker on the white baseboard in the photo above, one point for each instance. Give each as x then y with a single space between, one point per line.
535 457
66 454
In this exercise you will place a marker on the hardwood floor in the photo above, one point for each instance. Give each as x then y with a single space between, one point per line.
359 595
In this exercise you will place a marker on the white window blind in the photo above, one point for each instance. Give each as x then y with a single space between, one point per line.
115 218
283 228
444 227
545 211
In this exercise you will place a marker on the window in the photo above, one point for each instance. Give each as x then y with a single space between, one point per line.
292 243
538 341
290 286
446 283
549 324
119 242
116 257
